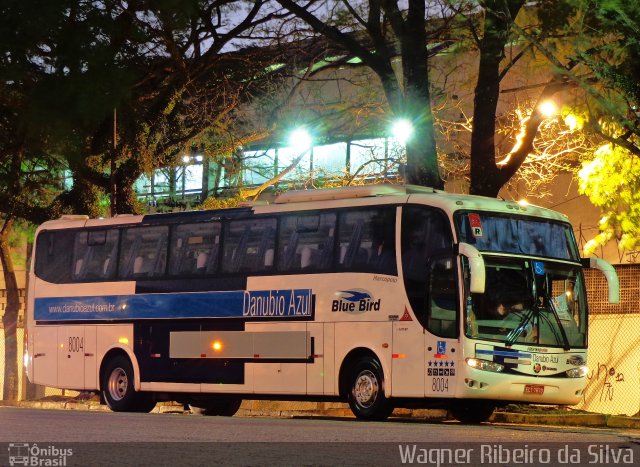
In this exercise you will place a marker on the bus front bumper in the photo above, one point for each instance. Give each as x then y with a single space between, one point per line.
479 384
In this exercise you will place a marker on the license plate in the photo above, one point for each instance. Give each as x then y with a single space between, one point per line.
534 389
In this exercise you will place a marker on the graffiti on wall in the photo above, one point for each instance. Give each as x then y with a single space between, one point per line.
603 380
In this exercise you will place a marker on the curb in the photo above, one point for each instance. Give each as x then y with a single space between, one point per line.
589 420
592 420
252 408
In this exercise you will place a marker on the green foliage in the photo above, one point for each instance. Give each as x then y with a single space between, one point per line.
21 236
222 203
612 183
609 56
553 15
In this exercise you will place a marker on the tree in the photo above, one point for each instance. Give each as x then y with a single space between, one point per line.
608 108
371 32
377 32
135 84
25 164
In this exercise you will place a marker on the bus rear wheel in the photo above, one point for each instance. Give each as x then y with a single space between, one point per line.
117 386
366 391
472 411
224 407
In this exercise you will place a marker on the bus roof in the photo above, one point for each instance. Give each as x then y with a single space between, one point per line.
449 202
296 200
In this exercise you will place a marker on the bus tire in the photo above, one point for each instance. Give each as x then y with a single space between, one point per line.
472 411
118 390
366 390
223 407
145 402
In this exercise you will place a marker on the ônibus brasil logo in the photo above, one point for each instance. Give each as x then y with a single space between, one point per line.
355 301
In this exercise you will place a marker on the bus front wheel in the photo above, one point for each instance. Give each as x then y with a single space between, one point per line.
366 391
472 411
117 388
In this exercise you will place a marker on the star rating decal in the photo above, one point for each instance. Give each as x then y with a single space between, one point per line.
435 368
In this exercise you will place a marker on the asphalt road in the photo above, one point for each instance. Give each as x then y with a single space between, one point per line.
103 438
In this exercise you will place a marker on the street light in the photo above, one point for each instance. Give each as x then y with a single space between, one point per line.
402 130
300 140
548 108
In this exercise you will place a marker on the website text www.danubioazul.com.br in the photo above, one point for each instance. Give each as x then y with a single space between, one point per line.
497 454
88 308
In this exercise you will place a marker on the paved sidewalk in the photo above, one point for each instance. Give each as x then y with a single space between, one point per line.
252 408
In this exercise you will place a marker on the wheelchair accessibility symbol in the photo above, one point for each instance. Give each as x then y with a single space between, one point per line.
538 268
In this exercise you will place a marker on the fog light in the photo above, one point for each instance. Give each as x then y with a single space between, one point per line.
484 365
578 372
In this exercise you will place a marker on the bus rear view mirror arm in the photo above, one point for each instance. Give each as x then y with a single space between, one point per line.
609 273
476 267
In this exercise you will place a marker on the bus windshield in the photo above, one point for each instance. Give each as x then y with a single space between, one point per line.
489 231
529 302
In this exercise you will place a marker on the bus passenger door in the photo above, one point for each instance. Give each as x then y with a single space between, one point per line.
442 318
71 357
45 355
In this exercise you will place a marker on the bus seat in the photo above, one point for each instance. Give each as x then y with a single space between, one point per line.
78 268
343 253
308 257
201 261
138 265
268 257
105 267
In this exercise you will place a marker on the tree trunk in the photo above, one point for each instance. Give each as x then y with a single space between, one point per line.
10 317
422 159
126 198
422 156
486 177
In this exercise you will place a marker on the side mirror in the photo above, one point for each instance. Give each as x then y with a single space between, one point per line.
476 267
609 273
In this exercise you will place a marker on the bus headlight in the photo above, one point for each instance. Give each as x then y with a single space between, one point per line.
578 372
25 359
485 365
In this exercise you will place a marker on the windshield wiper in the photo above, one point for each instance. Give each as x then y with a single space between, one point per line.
565 339
522 326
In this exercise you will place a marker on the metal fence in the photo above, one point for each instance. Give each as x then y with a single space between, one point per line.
614 344
26 390
614 347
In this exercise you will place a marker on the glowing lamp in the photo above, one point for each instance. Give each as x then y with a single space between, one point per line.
548 108
402 130
300 140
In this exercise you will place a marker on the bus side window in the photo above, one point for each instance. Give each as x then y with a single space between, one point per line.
93 253
247 245
194 249
144 252
367 240
306 242
53 262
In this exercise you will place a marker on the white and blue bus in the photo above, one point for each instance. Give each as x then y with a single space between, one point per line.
383 296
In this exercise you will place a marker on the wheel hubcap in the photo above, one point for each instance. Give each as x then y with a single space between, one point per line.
366 389
118 383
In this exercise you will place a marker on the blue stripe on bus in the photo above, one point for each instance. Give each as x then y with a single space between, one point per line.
503 353
269 304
